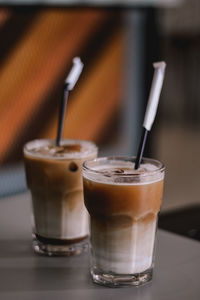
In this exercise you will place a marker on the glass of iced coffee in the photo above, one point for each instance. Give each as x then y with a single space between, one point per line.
54 177
123 204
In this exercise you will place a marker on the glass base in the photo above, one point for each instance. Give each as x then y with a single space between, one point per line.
119 280
50 249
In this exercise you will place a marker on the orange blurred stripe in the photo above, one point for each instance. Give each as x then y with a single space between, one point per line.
97 98
38 50
5 14
36 63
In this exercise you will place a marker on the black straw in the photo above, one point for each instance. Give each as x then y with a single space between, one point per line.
62 110
141 148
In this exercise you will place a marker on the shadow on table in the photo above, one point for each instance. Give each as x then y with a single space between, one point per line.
15 248
23 270
42 278
185 221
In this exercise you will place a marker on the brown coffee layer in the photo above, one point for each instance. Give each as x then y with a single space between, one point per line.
120 221
128 202
55 180
60 242
53 173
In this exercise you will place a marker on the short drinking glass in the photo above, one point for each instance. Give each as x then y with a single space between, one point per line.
54 177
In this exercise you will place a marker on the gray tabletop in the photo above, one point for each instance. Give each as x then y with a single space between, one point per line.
25 275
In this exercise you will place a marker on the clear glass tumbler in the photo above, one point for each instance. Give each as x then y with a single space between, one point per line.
123 204
54 177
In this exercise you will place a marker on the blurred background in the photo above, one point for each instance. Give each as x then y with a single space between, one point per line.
118 44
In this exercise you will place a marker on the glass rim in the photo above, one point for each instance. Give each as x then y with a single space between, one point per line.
161 167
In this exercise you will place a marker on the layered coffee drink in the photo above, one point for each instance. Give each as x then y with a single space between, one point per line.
55 180
123 204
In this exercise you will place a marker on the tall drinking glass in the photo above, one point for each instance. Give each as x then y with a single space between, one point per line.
123 204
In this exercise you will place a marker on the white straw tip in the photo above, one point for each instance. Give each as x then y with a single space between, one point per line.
154 96
77 60
74 74
160 65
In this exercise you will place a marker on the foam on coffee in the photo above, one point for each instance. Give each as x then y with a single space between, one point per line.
125 173
68 149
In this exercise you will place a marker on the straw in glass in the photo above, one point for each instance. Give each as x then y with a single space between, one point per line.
69 84
151 109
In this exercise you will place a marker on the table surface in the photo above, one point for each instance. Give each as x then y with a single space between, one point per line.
25 275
